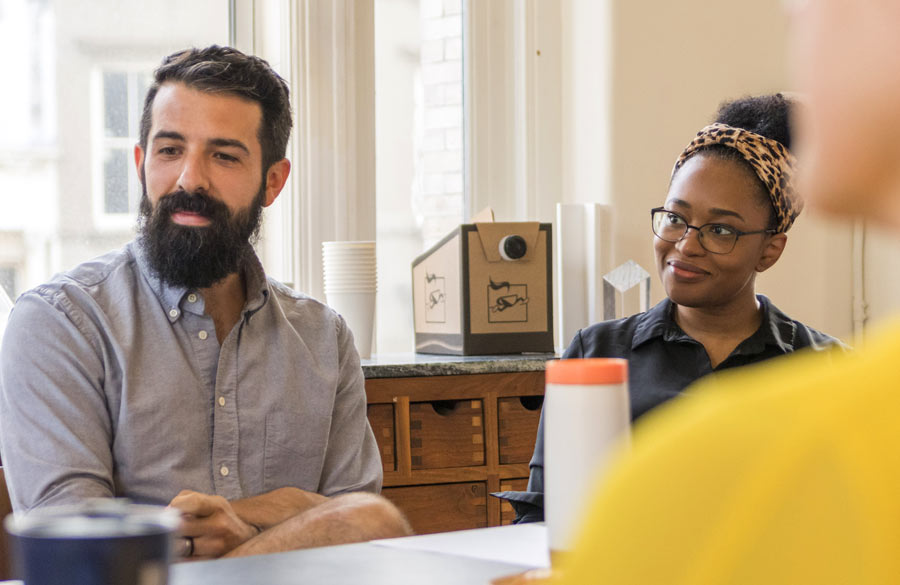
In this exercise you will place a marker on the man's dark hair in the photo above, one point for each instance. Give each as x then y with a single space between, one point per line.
218 69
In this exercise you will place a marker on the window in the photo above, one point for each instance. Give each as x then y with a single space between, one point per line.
419 147
68 188
119 97
390 169
8 280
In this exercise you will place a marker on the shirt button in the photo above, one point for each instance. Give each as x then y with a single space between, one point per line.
173 313
202 335
192 298
223 470
221 401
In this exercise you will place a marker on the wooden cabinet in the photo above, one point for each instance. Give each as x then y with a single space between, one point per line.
448 441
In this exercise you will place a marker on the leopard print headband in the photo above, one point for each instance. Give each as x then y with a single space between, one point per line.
769 158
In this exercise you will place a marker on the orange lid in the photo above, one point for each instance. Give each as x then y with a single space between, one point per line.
587 371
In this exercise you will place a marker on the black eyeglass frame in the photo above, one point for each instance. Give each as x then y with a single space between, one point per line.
738 233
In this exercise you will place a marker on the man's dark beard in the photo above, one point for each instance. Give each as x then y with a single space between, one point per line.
197 256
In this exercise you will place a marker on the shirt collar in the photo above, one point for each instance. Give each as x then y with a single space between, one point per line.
171 297
776 328
657 322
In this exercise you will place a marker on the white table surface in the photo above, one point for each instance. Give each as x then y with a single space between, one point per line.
523 546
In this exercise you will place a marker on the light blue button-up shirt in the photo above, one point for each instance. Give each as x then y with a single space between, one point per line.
113 384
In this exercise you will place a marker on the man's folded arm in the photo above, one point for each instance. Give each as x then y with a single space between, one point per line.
55 428
266 510
289 518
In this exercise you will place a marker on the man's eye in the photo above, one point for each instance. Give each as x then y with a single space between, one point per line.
168 150
226 157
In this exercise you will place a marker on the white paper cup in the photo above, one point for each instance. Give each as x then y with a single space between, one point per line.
358 310
343 244
349 289
369 273
331 262
353 277
586 418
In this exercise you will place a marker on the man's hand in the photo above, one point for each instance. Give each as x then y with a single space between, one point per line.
212 524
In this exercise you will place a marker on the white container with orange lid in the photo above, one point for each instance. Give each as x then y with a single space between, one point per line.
586 420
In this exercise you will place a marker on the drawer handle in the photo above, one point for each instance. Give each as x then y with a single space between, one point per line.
531 402
445 407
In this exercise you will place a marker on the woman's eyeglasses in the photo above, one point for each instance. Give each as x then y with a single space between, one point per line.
717 238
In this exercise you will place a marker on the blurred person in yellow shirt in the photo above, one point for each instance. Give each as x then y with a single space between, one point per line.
787 472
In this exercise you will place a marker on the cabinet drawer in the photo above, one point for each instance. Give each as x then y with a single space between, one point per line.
441 508
517 425
507 514
381 419
446 433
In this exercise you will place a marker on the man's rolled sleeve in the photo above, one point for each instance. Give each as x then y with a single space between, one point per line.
55 428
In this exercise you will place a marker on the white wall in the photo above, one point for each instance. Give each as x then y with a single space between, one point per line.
670 65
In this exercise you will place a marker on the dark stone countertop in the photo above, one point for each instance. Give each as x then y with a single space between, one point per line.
404 365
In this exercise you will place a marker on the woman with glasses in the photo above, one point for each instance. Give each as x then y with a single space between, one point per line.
730 202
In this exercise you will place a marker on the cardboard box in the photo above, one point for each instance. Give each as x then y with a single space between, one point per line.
486 288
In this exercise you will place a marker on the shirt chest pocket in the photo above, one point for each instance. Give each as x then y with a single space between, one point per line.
295 449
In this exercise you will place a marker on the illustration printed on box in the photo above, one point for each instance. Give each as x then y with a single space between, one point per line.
507 303
435 299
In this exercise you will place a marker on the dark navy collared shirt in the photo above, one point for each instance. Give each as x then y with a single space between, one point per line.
662 361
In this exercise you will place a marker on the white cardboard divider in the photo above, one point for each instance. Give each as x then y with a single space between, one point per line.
583 255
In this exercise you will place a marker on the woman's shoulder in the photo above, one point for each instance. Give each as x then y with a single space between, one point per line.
806 336
803 336
613 338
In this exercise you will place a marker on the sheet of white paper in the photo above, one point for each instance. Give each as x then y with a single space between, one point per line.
523 544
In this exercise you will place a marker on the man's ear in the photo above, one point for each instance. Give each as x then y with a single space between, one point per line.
276 178
139 160
772 252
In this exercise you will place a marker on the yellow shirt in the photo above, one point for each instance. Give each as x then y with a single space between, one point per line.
786 472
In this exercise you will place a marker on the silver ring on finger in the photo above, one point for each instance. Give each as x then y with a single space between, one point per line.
188 549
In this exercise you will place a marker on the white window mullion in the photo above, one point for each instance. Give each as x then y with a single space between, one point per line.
329 66
513 108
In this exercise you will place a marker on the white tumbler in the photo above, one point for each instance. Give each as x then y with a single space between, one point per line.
586 420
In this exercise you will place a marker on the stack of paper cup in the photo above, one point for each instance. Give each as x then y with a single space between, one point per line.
350 285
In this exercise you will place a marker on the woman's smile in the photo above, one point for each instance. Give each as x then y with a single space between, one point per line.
685 271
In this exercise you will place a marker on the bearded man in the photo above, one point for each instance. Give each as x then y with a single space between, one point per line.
173 370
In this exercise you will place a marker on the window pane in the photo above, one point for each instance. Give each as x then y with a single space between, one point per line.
115 104
115 181
8 281
419 147
79 73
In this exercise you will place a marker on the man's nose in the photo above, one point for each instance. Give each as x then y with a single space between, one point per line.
690 245
194 174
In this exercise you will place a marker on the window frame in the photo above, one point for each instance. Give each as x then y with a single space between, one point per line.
100 143
331 191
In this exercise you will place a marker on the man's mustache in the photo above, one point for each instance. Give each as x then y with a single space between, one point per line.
197 202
